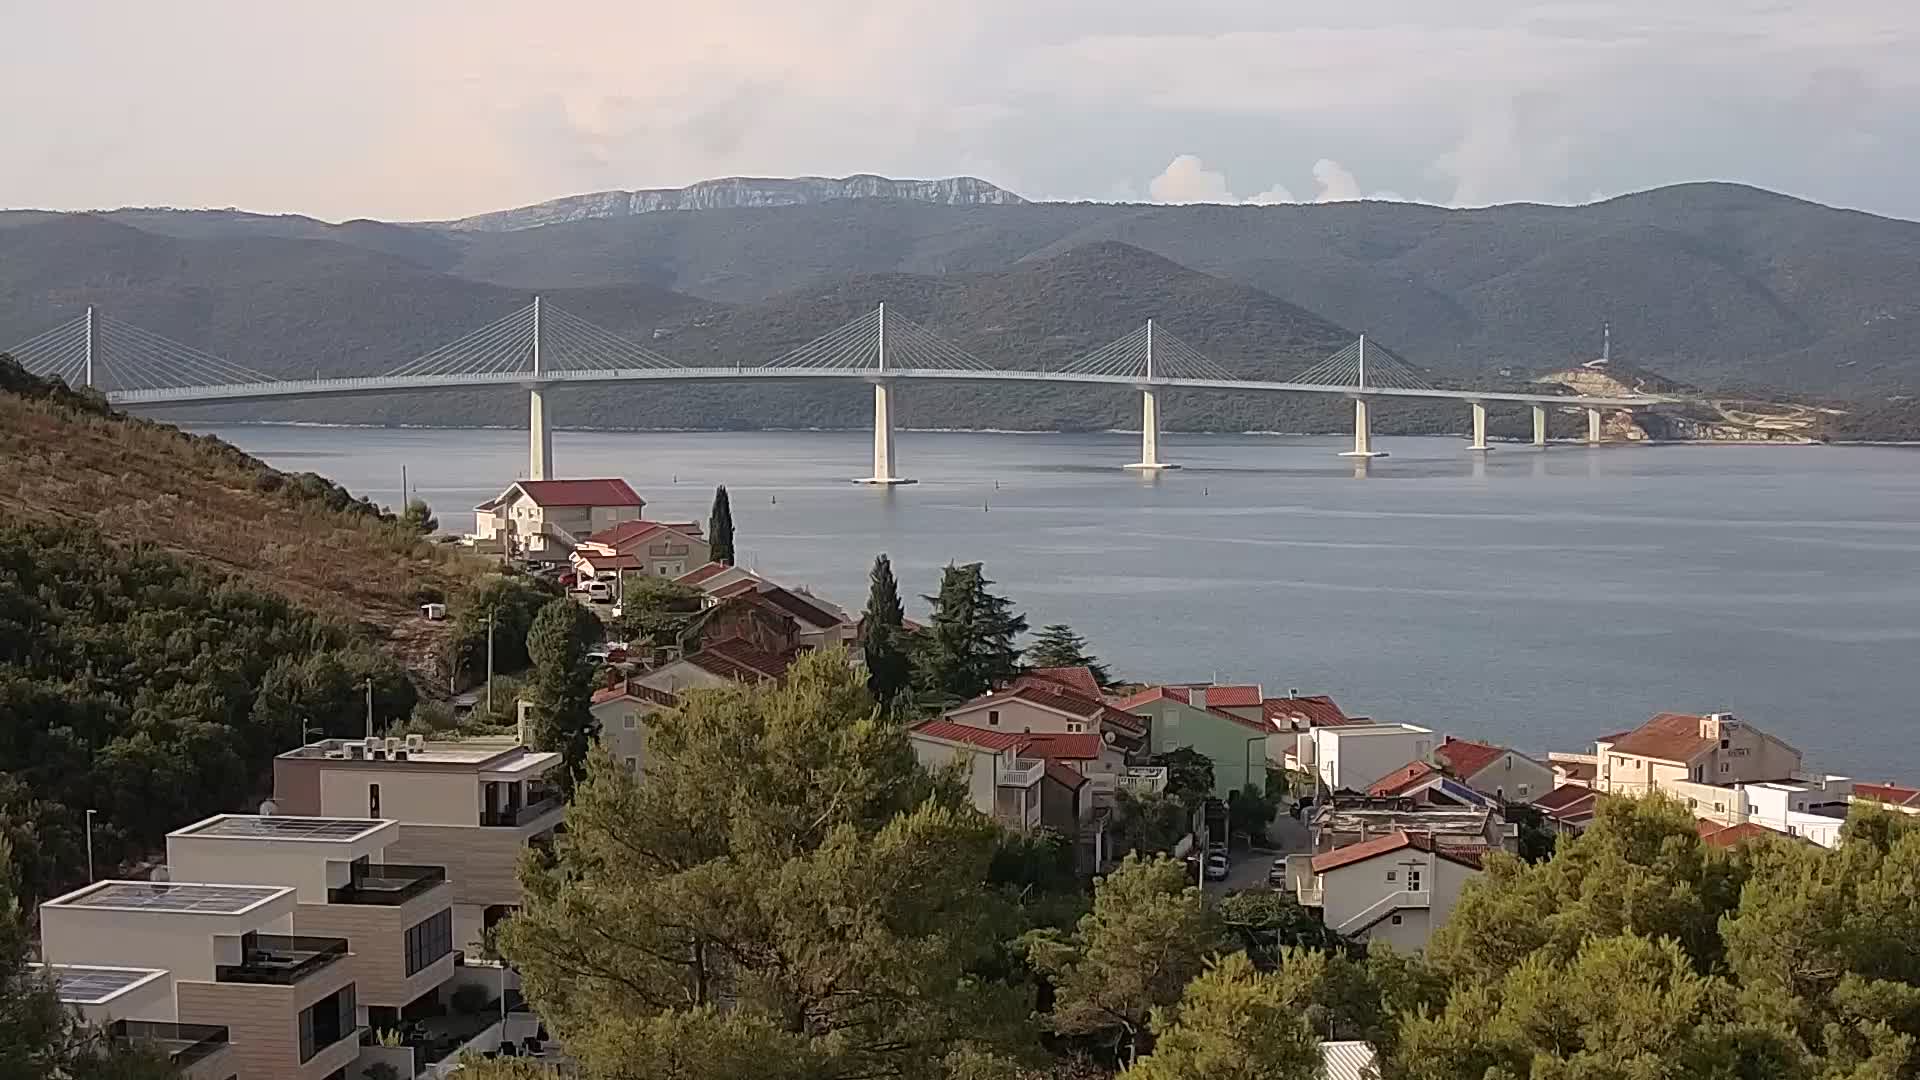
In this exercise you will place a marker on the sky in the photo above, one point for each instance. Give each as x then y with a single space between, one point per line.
428 109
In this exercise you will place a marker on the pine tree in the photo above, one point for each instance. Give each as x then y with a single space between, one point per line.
1058 646
720 528
418 516
561 685
889 668
968 648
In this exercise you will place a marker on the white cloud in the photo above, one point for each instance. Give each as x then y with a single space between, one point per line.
1337 183
1186 179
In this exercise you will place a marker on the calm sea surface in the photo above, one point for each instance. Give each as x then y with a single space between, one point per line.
1536 598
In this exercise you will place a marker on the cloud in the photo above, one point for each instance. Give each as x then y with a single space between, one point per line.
1186 179
1336 181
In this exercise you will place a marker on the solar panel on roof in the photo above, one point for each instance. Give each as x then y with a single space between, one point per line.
289 828
90 986
160 896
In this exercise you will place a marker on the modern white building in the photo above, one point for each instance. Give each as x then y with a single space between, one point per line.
1815 810
115 998
471 806
1351 757
228 956
397 918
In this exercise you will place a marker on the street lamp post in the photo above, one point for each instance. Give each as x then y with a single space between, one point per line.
90 877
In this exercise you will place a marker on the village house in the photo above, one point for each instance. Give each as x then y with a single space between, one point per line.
1397 888
717 664
1235 736
1011 779
1895 797
1692 758
653 548
622 711
1303 712
1088 735
1353 757
1568 808
1495 770
544 520
1346 820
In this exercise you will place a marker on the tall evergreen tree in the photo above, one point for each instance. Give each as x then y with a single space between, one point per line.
720 528
889 668
968 647
1058 646
561 685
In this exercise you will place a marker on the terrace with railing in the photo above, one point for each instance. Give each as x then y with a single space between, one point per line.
183 1044
280 959
387 884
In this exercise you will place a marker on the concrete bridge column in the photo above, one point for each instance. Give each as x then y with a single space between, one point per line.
1539 425
1479 426
1362 433
882 437
1593 426
540 437
1150 433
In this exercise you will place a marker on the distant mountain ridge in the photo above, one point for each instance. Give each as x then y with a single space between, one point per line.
733 192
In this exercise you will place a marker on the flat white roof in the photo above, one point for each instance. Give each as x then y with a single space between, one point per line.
308 829
87 984
173 897
534 762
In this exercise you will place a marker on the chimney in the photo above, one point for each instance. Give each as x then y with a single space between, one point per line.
1198 697
1293 691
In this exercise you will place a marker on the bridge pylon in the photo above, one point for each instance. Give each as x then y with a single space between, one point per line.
1539 425
1150 419
882 474
1479 442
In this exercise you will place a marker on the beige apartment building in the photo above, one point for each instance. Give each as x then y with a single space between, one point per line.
116 997
216 955
544 520
397 918
1691 757
472 806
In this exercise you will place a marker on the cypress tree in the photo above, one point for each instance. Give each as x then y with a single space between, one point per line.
889 669
720 528
561 684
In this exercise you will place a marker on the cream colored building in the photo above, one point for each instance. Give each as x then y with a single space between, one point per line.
115 999
622 712
1396 889
471 806
1002 784
636 546
1352 757
230 958
544 520
397 918
1687 756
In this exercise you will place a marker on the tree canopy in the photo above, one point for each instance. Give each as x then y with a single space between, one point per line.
720 528
968 646
418 516
1056 645
561 687
884 640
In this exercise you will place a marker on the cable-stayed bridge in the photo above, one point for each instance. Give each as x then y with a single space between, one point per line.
541 346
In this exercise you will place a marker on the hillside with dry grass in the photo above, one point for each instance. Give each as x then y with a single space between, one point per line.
298 536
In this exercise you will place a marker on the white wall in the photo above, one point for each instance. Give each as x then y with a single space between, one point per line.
1353 757
265 864
981 778
407 795
622 741
1020 717
1509 773
1352 889
180 944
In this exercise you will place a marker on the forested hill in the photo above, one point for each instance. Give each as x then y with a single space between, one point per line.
172 614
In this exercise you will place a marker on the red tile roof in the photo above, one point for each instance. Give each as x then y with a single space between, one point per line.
1891 794
734 659
804 608
735 588
1666 737
1401 779
1231 696
701 573
1061 774
1083 747
1052 695
638 693
1464 757
1564 798
1318 710
607 562
972 736
1080 679
1180 694
607 491
1725 836
1394 841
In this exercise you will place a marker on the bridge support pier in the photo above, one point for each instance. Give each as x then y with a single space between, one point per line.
1150 433
1594 435
882 438
1539 425
539 437
1479 426
1362 433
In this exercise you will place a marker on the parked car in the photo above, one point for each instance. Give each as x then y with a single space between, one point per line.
1217 866
600 592
1277 873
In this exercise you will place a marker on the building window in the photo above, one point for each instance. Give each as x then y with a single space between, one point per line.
633 765
1724 743
628 722
993 717
1075 727
1390 875
327 1021
1413 879
1396 920
1724 767
373 800
429 940
1523 789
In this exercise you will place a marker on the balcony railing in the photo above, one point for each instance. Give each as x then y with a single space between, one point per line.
281 960
519 815
387 884
1023 773
1142 780
184 1044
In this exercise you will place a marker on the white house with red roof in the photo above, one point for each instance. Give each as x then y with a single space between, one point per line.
654 548
1022 781
1354 757
1494 770
1398 888
1088 735
821 622
544 520
1302 712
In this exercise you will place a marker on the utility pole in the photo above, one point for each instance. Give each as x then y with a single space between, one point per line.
90 813
490 612
403 489
89 344
369 706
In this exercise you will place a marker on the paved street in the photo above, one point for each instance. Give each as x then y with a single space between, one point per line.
1248 870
